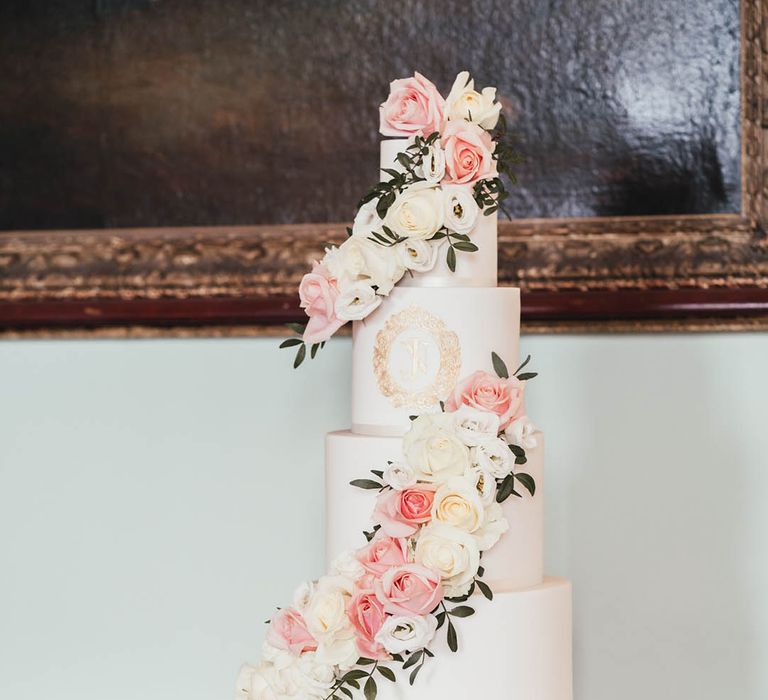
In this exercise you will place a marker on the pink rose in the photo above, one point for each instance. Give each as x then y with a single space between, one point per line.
382 553
288 631
401 512
366 613
468 152
487 392
318 292
414 107
410 589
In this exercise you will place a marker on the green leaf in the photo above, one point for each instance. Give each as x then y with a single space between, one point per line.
346 692
362 661
485 589
412 417
489 210
465 247
388 673
313 351
499 367
440 619
506 488
462 611
354 675
413 659
352 682
521 460
517 450
365 484
296 327
370 689
453 641
451 259
377 472
527 481
300 355
414 673
525 376
525 362
291 342
480 570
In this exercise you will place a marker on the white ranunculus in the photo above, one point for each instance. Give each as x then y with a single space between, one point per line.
366 220
474 426
419 256
494 456
302 595
484 483
433 449
400 475
417 211
458 503
311 679
401 633
433 164
327 621
522 432
360 260
493 528
465 103
452 552
347 565
461 210
357 301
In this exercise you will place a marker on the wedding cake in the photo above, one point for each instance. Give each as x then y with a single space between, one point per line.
434 505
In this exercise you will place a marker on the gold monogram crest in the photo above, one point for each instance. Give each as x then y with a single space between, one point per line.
416 359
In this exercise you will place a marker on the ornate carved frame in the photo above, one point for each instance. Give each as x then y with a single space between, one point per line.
654 273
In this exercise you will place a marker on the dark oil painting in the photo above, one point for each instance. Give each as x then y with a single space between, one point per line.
144 113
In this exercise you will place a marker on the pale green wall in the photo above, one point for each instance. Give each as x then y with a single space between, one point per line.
158 498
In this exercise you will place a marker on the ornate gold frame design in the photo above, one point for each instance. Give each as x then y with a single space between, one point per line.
602 273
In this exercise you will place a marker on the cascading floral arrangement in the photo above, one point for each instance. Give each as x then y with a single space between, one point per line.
437 510
449 173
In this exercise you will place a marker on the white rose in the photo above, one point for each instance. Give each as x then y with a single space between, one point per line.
311 679
361 260
244 682
417 211
493 456
522 432
366 220
451 552
399 476
464 103
262 682
493 528
419 256
401 633
327 621
474 426
302 595
356 301
461 210
347 565
433 164
432 448
484 483
458 503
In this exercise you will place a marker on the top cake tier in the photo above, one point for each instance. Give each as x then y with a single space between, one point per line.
478 269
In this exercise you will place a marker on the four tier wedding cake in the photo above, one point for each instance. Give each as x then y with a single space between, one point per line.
434 529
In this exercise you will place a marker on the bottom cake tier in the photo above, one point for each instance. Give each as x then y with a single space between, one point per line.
515 647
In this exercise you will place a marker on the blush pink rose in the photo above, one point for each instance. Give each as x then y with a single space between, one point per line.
414 108
487 392
401 512
410 589
382 553
468 152
366 613
318 292
288 631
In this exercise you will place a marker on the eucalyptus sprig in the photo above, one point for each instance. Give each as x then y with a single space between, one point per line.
301 352
490 193
456 241
353 678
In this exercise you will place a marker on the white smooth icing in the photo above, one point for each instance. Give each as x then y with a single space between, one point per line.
482 319
515 562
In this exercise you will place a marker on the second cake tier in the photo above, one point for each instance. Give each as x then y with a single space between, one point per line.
515 562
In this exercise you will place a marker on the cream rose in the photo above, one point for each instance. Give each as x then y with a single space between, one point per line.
262 682
361 260
400 475
348 565
494 457
465 103
366 220
309 678
419 256
461 210
474 426
458 503
327 621
522 432
417 212
401 633
357 301
452 552
432 448
302 595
